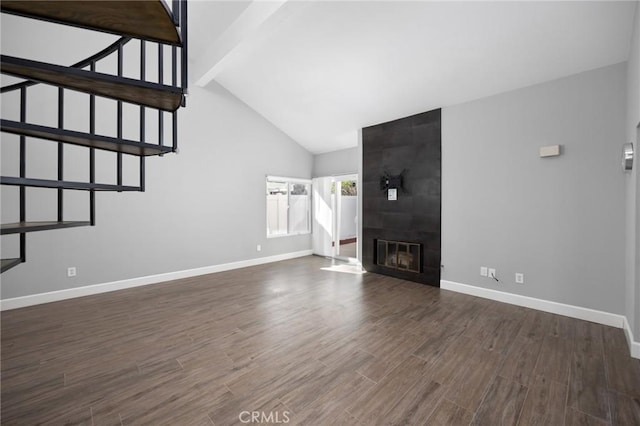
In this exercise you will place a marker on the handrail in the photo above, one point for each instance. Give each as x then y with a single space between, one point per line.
83 63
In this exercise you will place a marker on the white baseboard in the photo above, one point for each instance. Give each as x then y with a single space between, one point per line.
578 312
587 314
572 311
634 347
54 296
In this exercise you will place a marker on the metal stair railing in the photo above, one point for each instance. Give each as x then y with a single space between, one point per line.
42 73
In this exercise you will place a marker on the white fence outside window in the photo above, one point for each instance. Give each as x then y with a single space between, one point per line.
288 207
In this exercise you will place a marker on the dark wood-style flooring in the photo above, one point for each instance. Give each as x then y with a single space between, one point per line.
296 342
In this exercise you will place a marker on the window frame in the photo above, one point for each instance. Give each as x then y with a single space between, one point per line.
289 181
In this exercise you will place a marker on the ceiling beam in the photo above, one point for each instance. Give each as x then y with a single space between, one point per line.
254 17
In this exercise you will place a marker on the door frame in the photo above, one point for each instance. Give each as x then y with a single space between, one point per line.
336 209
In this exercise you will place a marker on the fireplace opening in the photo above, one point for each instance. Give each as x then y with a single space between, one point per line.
399 255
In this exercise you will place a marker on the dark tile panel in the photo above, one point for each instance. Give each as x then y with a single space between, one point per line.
396 221
430 133
426 221
395 157
411 146
425 187
433 116
403 205
431 258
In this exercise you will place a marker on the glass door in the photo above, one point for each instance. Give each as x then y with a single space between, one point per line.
344 193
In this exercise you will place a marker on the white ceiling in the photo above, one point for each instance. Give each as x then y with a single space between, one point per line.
319 71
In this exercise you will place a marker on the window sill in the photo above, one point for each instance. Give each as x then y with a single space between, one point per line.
288 235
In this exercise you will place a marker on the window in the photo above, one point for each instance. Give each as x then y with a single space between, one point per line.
288 206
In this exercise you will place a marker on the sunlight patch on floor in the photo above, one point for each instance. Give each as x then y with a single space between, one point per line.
346 268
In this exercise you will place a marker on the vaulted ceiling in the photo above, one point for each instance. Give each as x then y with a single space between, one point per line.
321 70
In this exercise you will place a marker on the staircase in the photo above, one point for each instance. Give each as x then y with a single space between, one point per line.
141 25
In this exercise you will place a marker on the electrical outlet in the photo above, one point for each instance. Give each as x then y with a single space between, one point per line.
483 271
258 247
519 278
71 272
492 273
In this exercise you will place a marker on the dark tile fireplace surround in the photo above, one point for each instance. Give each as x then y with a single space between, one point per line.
410 225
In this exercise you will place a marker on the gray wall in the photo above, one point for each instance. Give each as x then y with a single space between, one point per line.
560 221
342 162
632 282
203 207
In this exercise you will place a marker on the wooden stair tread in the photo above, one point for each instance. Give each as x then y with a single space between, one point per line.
9 263
21 227
45 183
83 139
154 95
149 20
